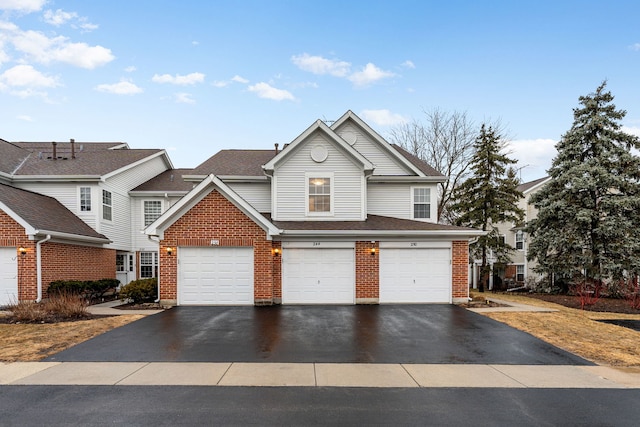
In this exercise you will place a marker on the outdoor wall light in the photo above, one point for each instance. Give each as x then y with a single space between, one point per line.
373 251
22 250
169 250
276 252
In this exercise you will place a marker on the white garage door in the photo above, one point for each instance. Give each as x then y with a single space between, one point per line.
8 276
416 275
318 276
215 276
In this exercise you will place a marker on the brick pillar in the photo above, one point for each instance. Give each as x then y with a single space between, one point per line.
277 273
460 271
367 273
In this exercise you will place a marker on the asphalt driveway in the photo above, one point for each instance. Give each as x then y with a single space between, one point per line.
323 334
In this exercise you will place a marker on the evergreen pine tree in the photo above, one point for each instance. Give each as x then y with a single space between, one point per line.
489 197
588 222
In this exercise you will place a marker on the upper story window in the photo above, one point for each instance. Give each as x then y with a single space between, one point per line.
421 203
152 211
85 199
519 240
320 194
107 205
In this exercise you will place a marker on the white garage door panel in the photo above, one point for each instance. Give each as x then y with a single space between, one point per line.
415 275
8 276
318 276
215 276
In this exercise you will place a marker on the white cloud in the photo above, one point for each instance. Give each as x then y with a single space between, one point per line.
408 64
25 118
264 90
27 6
369 74
130 69
635 46
59 17
534 156
221 83
320 65
124 87
239 79
632 130
178 79
383 117
59 49
184 98
26 76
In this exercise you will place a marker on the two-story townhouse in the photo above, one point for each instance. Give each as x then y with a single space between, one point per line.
92 180
339 216
520 269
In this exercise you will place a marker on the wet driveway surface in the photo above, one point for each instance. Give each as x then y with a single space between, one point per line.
328 334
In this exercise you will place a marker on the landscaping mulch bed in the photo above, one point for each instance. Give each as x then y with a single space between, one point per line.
610 305
141 306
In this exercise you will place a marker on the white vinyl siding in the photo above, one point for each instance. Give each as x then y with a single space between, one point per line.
257 195
129 179
141 241
290 183
382 160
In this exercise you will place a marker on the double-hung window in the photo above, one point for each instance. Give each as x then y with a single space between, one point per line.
319 195
519 240
421 203
148 264
107 205
85 199
519 273
152 210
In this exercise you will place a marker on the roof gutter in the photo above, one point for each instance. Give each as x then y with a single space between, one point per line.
407 233
74 237
39 265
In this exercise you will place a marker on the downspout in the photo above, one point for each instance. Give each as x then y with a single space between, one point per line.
157 240
39 265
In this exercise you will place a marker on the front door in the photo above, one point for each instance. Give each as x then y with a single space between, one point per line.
124 267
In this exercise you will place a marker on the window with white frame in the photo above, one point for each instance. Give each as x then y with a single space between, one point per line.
519 240
152 211
148 264
319 189
107 205
124 262
421 203
519 273
85 199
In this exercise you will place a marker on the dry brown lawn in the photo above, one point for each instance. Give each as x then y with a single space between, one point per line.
33 342
576 331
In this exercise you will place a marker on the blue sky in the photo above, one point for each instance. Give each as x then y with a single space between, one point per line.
195 77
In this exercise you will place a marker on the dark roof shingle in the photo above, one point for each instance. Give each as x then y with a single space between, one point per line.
527 185
417 162
170 180
45 213
372 223
235 163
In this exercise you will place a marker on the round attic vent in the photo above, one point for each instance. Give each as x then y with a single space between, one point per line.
350 137
319 154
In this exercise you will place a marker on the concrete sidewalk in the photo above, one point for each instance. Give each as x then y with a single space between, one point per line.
318 375
108 309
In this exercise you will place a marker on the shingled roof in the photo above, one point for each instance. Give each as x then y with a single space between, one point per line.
417 162
94 159
168 181
45 213
235 163
527 185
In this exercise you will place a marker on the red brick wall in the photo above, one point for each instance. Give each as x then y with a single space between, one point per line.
59 261
214 217
460 269
72 262
367 272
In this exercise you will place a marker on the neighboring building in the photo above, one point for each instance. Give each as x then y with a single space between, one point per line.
517 272
339 216
92 181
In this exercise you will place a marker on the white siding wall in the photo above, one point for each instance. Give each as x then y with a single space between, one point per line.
119 228
394 200
384 165
257 195
290 183
141 241
131 178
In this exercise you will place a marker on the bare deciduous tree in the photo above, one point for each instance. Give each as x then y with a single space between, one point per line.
444 141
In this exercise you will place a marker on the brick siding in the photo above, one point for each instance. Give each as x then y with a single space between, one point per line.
367 272
460 270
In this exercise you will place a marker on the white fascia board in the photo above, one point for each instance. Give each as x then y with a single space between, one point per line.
72 237
195 178
198 193
117 147
379 139
56 178
537 186
29 230
405 178
139 162
318 125
240 178
157 193
386 233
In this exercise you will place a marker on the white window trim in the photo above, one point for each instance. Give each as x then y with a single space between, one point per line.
155 265
515 240
102 205
524 273
412 207
80 211
162 208
322 175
